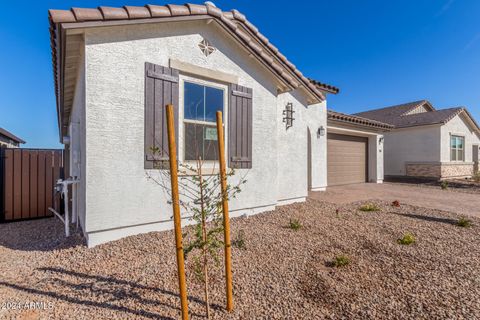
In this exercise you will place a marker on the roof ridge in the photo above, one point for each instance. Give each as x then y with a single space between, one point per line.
406 115
417 103
233 21
106 13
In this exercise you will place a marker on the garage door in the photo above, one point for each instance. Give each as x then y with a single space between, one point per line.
347 159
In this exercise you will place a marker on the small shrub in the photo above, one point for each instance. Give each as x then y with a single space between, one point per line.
464 223
369 207
407 239
341 261
476 176
294 224
444 185
239 242
396 203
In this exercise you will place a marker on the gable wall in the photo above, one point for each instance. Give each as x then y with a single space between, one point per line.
118 192
457 126
420 109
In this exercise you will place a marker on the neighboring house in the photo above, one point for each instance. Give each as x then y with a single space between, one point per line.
116 68
9 140
427 142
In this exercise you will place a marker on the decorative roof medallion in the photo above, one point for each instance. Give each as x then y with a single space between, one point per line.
206 47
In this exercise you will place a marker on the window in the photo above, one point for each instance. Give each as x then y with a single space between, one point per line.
457 148
200 104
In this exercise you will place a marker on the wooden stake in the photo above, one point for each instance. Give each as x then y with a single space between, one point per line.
172 149
226 219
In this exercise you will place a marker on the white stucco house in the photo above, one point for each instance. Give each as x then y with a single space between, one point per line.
116 68
429 143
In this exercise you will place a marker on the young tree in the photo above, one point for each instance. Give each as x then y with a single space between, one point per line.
201 197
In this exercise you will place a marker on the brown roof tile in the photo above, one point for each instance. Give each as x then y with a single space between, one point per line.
248 33
87 14
154 11
178 10
135 12
399 116
391 113
352 119
159 11
197 8
110 13
324 86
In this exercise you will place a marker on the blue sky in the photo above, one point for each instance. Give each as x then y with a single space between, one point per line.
378 53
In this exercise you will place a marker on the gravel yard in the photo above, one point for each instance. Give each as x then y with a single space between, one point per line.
453 185
279 274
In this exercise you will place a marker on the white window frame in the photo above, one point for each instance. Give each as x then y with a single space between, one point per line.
455 150
209 164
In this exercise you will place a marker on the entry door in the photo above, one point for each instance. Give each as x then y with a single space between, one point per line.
347 159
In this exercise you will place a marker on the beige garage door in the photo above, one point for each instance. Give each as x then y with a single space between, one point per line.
347 159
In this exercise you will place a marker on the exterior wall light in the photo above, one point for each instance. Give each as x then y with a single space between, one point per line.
288 115
321 131
380 140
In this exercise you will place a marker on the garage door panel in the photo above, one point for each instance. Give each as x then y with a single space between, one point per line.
347 159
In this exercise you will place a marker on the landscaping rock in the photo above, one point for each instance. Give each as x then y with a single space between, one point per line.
280 273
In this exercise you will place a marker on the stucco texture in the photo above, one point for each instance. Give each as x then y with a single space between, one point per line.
118 191
402 146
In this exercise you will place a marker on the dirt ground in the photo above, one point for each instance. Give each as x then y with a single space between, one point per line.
453 185
423 195
280 273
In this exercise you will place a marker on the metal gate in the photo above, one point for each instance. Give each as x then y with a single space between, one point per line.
27 179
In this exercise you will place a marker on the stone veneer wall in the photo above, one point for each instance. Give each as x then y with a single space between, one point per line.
457 170
430 170
439 170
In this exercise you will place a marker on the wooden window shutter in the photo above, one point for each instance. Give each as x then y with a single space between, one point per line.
240 127
161 88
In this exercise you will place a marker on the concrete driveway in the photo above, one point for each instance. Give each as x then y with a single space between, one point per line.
457 202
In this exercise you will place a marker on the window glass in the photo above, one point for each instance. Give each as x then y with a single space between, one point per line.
193 102
459 143
457 148
201 104
200 140
213 103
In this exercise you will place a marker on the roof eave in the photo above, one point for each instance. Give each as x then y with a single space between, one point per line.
359 125
62 20
357 121
472 121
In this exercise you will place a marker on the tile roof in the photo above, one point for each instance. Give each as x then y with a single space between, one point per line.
390 114
325 87
398 115
347 118
10 135
232 20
